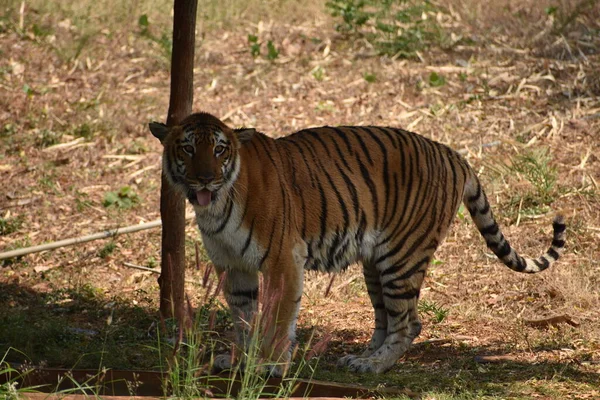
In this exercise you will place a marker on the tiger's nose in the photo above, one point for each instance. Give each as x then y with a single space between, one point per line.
206 178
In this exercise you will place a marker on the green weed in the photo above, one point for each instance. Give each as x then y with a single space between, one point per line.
535 166
81 201
83 131
370 77
255 48
254 45
318 73
124 198
396 28
107 249
46 138
437 313
10 225
9 390
272 52
164 41
436 80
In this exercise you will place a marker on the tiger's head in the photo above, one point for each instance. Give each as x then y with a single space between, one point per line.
201 156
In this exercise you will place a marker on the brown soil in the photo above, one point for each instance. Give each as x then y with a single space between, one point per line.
505 87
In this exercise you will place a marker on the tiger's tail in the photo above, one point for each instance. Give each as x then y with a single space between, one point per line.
477 203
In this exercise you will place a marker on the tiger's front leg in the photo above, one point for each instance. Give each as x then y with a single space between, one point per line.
241 293
283 286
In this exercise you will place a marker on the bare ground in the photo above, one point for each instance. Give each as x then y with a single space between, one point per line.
73 129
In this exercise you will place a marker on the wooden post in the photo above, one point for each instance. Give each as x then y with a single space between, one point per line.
172 204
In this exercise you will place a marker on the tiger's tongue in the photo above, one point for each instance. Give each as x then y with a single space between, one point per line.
203 196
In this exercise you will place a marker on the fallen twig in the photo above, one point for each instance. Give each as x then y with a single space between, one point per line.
556 320
81 239
495 359
153 270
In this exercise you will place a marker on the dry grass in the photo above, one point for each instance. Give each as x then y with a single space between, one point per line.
88 73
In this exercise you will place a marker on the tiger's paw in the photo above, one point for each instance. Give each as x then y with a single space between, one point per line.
363 364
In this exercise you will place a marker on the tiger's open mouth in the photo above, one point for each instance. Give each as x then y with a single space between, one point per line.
204 197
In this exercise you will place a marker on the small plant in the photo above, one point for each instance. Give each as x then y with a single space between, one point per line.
370 77
318 73
81 201
353 14
535 167
28 90
436 80
124 198
107 250
163 41
83 131
254 45
47 138
10 225
437 313
325 106
255 48
396 28
272 52
9 390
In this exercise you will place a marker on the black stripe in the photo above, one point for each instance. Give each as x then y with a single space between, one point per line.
393 269
414 269
229 209
558 243
305 160
385 171
390 219
264 257
558 227
323 216
543 264
351 190
403 296
249 238
391 138
396 314
502 249
485 209
476 196
367 178
342 133
553 253
490 229
341 155
361 142
250 293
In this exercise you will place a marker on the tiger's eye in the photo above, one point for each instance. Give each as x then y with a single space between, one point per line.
188 149
219 149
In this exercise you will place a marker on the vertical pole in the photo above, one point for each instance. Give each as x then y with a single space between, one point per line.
172 204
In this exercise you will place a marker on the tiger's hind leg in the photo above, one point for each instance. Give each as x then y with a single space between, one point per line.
376 295
400 285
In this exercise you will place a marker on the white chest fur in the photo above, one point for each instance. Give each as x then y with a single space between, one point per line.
232 247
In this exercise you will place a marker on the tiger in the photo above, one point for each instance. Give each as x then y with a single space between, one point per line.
322 199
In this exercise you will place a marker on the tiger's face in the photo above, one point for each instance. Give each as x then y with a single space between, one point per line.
201 156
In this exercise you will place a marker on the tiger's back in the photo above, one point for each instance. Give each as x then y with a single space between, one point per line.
357 190
324 198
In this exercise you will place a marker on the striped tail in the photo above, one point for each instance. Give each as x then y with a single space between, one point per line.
479 208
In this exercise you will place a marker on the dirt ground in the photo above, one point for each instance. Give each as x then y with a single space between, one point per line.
73 127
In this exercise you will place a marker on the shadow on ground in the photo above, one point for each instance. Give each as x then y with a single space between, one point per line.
79 329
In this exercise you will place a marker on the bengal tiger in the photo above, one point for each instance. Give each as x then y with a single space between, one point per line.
322 199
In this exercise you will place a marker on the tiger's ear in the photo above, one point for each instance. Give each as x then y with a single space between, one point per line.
244 134
159 130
